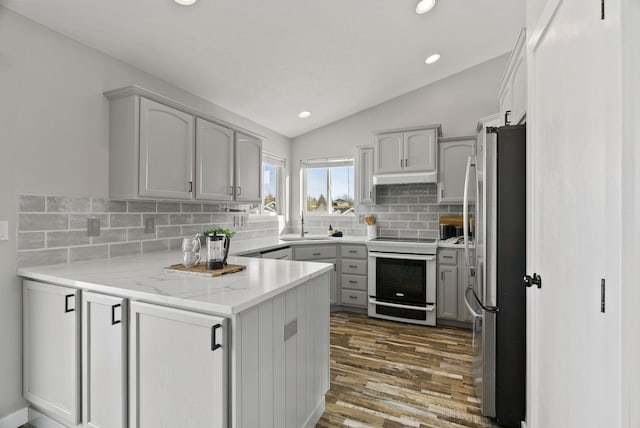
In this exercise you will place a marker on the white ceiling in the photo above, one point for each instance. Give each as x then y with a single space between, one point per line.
268 60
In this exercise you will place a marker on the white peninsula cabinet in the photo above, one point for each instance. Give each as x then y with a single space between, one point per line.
51 350
245 350
161 149
406 156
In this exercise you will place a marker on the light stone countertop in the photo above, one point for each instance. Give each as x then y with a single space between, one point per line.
142 278
266 244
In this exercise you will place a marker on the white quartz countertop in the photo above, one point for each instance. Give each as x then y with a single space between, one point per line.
142 278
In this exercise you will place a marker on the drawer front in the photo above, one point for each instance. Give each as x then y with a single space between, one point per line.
354 282
353 267
448 257
354 298
354 251
314 253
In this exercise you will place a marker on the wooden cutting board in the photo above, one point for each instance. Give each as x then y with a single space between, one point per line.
453 220
200 269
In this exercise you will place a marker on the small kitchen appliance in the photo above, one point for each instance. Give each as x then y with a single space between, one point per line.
217 251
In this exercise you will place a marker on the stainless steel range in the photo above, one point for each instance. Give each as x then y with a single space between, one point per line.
402 279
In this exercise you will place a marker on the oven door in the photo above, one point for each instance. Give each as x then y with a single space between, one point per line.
402 287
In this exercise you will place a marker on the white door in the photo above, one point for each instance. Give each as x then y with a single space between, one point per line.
177 368
389 155
248 167
420 151
214 162
104 360
51 341
166 151
573 359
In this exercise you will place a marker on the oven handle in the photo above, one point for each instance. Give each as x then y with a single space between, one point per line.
428 308
427 258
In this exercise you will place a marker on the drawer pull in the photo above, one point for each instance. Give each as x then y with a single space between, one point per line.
447 257
66 303
352 281
353 251
353 267
316 254
215 345
113 314
353 297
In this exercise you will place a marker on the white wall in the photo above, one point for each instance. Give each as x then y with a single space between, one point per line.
534 9
54 140
457 102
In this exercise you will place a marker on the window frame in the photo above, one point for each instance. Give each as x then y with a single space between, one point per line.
328 163
281 166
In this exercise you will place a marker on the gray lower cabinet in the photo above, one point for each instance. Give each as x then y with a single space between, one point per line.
452 283
353 275
323 254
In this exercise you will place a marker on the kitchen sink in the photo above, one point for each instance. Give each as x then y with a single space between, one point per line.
306 238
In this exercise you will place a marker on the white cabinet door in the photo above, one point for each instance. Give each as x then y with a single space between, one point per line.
177 368
388 153
104 360
420 151
248 167
214 162
512 94
365 175
453 155
166 151
447 292
51 342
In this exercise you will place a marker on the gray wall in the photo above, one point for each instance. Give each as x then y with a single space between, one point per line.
457 102
54 141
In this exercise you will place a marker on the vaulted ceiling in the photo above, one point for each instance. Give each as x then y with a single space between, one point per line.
268 60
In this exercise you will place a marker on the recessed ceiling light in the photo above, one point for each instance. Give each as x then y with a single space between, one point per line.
185 2
304 114
433 58
425 6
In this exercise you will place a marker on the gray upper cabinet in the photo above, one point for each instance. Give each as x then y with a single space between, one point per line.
420 151
365 175
166 151
160 149
389 153
512 93
214 162
248 177
453 153
406 155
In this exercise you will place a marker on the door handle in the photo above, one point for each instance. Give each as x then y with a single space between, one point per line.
529 280
238 191
230 190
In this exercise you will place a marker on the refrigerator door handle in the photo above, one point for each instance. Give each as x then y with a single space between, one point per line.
465 218
473 313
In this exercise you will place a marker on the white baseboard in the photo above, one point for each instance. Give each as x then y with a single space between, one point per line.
15 419
316 415
39 420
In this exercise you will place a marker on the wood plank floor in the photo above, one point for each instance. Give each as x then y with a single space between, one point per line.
387 374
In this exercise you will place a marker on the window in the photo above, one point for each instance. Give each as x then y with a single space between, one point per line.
272 184
328 186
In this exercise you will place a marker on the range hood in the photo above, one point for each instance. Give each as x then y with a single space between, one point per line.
406 178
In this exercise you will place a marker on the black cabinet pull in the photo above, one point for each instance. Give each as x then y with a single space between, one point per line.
215 345
315 254
191 187
353 251
113 314
66 303
353 297
352 281
353 267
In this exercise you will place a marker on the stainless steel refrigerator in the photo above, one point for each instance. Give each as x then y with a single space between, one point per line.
495 203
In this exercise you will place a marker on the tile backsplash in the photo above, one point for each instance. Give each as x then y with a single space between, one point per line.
53 229
401 210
